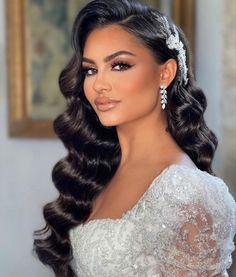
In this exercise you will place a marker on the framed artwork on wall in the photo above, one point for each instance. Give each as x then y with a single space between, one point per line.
38 47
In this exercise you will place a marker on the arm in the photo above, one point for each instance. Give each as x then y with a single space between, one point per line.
198 250
199 226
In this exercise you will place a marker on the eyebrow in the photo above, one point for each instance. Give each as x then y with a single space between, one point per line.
110 57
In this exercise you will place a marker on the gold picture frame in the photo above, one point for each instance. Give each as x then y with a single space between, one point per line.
19 78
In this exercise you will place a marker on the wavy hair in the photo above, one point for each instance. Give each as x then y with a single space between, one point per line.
93 149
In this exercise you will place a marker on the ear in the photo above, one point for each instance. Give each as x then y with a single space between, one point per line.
168 72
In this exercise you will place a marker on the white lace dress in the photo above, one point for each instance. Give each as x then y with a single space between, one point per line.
183 225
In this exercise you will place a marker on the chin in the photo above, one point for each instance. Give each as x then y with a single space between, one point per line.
109 123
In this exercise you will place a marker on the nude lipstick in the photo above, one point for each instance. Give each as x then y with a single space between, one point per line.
105 104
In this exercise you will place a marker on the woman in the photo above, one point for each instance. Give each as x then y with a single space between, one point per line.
138 196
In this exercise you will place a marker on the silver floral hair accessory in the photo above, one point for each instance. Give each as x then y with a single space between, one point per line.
173 42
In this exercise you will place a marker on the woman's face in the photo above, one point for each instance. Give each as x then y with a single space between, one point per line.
119 68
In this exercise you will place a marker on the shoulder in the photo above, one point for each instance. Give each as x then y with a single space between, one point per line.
193 221
189 184
182 189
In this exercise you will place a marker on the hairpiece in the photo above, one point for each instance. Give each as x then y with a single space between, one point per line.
173 42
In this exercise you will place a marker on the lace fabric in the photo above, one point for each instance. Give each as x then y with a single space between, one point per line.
183 225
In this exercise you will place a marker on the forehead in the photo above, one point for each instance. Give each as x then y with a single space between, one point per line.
112 38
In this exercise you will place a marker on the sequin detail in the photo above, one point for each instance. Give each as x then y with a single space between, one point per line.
183 224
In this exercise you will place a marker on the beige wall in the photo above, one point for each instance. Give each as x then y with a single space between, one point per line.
228 101
228 97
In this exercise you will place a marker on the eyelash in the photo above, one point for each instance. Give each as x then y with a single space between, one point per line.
125 66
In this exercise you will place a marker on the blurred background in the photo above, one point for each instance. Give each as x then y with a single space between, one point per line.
28 150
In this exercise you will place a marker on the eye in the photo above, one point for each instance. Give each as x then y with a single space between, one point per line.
121 66
88 71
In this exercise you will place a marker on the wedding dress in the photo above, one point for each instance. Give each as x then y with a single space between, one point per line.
184 223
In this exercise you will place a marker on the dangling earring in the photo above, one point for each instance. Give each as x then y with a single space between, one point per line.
163 92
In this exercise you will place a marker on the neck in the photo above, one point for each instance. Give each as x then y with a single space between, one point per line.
145 138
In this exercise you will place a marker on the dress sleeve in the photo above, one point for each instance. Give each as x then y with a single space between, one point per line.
199 228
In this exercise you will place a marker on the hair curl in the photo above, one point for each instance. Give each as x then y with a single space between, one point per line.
93 149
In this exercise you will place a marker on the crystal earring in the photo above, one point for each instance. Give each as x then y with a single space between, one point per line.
163 92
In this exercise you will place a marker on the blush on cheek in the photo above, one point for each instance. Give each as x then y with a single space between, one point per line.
139 80
85 87
87 92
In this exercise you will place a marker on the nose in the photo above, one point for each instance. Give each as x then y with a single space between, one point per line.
101 84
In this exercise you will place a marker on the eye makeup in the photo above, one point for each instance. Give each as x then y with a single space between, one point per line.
121 64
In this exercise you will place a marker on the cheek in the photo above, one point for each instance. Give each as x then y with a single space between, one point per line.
88 92
139 86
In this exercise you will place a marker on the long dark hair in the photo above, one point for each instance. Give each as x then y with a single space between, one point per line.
93 149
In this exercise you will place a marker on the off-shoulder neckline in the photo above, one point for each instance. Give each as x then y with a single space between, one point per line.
166 169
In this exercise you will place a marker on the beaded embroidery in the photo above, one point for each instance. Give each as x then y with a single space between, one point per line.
184 223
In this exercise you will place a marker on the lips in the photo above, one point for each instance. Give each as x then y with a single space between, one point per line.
104 103
102 100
